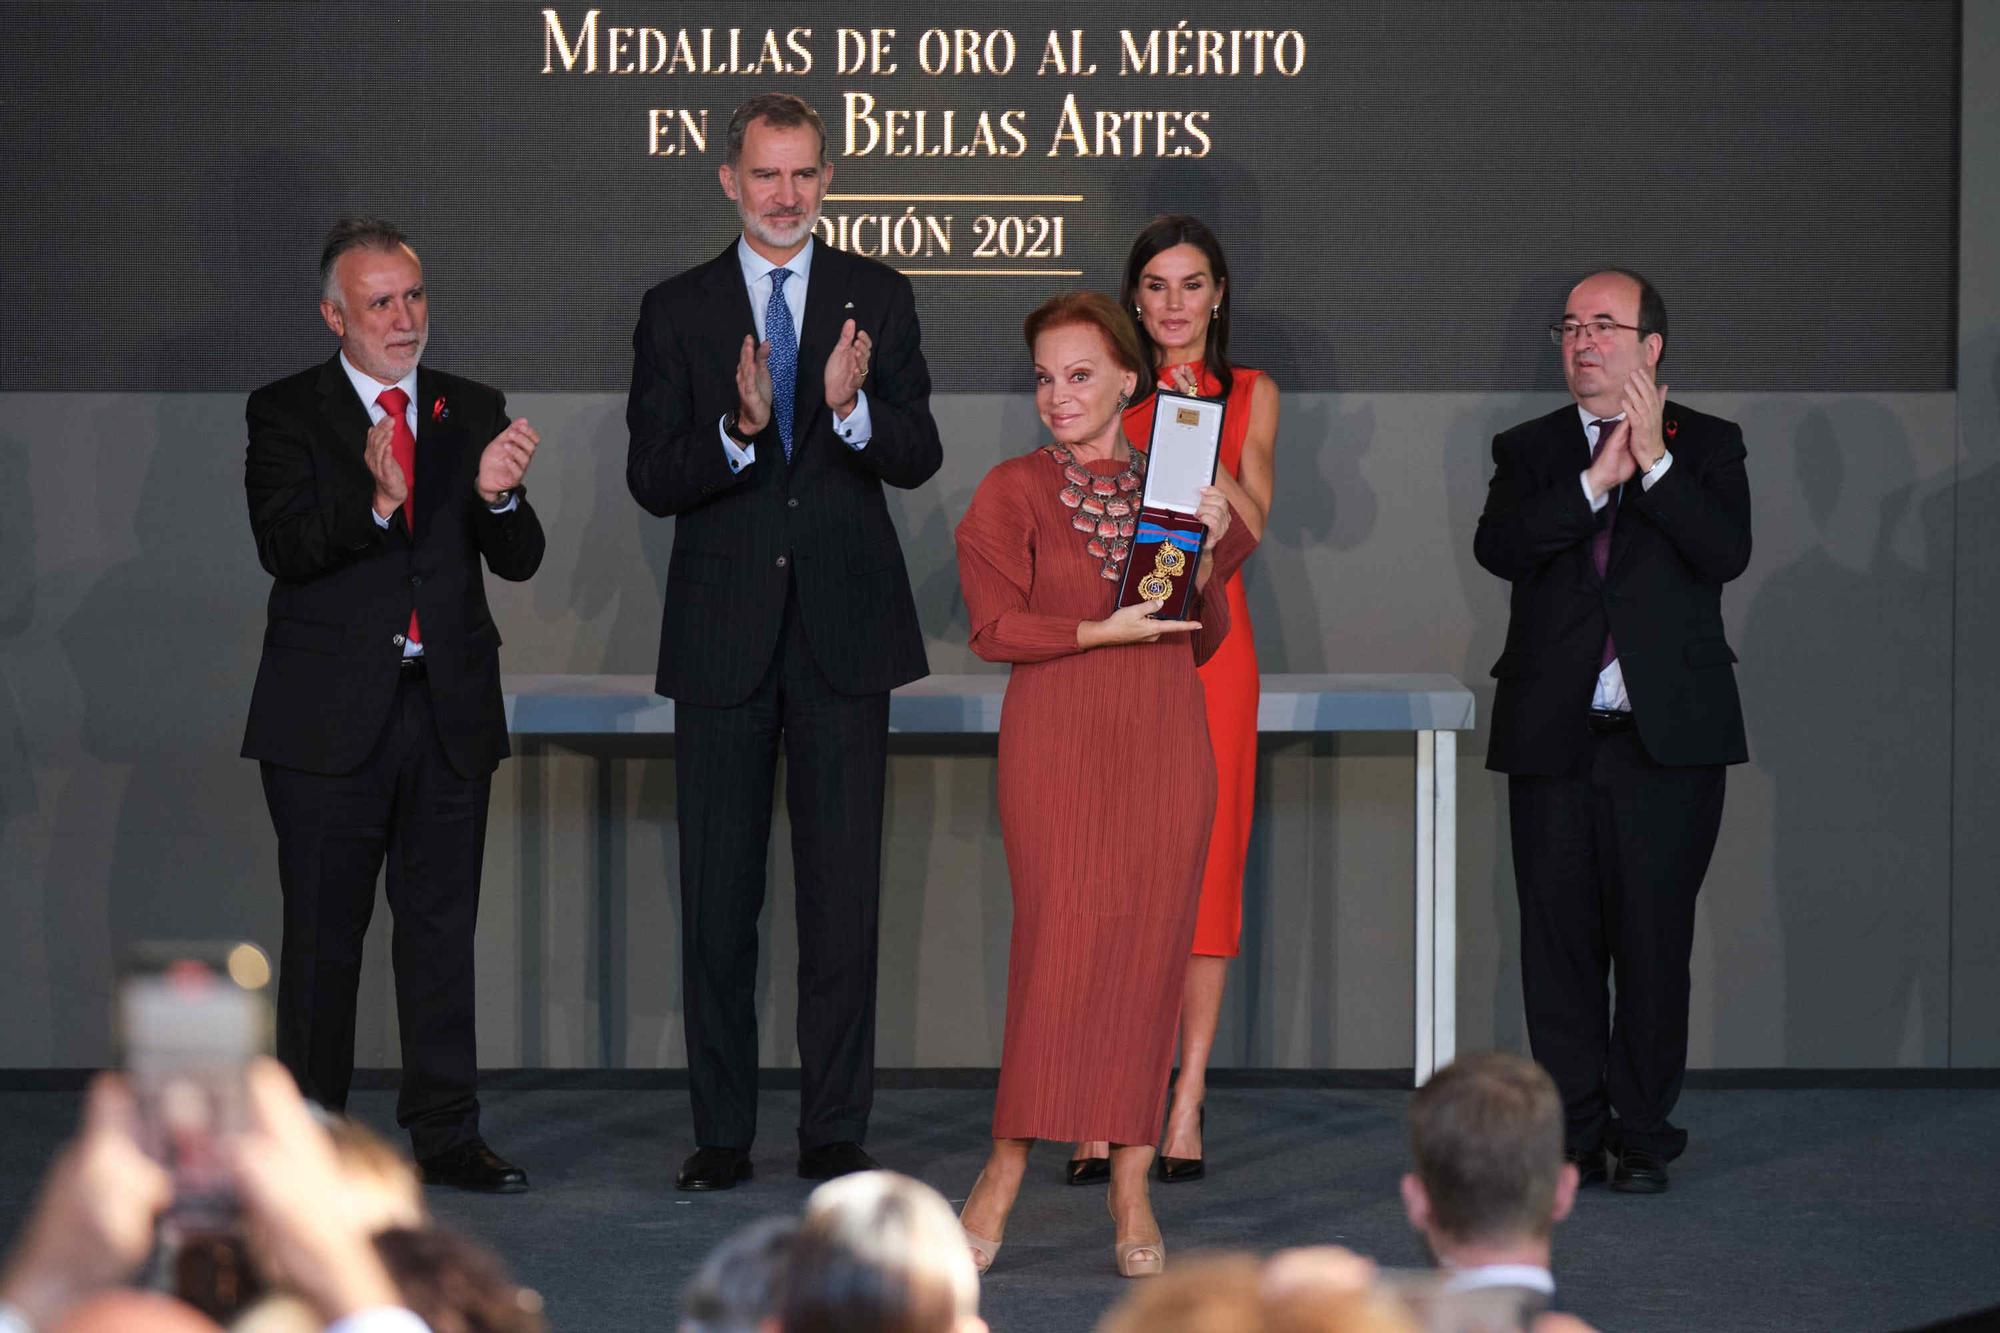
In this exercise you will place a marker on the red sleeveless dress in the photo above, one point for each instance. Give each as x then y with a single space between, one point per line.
1229 680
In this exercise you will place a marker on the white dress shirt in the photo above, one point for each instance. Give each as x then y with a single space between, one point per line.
1531 1277
368 389
1610 694
387 1319
856 428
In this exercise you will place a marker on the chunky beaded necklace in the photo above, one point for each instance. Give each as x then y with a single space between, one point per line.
1106 507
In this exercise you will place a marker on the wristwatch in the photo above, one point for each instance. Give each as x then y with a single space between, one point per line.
733 429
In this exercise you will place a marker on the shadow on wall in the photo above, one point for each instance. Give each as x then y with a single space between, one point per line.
1523 356
163 648
625 544
268 224
1853 729
17 613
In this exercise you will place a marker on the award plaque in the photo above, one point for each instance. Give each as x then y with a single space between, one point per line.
1166 549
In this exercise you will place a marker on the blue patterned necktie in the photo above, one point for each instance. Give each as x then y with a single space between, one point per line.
784 340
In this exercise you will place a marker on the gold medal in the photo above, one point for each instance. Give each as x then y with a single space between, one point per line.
1169 559
1156 587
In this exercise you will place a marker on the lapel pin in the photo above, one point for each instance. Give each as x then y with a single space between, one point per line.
439 411
1673 428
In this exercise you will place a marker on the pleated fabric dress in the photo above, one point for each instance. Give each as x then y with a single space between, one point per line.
1230 682
1107 794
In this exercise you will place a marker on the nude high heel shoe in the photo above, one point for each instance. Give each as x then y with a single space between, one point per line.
984 1251
1140 1258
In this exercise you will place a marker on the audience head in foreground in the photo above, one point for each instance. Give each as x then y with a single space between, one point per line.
740 1284
880 1251
1489 1182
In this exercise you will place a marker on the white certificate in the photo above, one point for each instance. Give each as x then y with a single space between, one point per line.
1187 436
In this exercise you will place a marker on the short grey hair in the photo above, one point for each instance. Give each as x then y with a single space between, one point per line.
781 110
880 1250
354 234
742 1280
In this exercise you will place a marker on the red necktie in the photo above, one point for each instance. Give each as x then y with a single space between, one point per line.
404 445
1600 540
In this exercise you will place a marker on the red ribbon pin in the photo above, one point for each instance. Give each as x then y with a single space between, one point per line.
438 410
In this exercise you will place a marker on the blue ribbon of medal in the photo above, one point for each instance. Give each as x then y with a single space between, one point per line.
1153 532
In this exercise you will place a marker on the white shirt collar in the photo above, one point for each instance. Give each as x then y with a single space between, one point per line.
755 266
1533 1277
1590 419
368 388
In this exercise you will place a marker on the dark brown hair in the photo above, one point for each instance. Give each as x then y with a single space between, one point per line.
1487 1136
1100 312
1164 233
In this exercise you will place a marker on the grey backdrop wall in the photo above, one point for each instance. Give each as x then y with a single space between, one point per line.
1851 918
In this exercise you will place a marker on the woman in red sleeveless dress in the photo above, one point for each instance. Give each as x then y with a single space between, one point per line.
1106 776
1177 288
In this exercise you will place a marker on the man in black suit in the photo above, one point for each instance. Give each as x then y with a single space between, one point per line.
1617 519
775 389
376 487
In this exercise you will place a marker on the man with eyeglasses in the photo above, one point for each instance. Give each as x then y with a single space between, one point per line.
1617 519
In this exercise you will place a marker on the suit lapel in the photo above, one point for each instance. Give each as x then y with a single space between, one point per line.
439 442
341 409
1629 521
1568 448
730 299
826 302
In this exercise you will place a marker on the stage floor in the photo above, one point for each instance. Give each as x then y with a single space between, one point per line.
1801 1209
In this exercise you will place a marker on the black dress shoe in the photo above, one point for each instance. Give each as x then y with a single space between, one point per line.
1180 1170
1589 1164
835 1159
714 1169
1639 1172
1089 1170
474 1167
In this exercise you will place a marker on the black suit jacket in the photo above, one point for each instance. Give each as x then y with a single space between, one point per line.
1673 548
741 537
343 588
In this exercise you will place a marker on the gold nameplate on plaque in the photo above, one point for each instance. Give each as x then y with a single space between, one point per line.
1187 416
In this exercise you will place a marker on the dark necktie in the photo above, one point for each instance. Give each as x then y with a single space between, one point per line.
784 340
404 446
1600 540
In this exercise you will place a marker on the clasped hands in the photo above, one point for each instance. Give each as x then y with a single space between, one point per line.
846 368
1635 444
1135 623
502 464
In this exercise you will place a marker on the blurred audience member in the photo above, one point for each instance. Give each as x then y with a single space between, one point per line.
93 1224
881 1252
1325 1290
379 1185
741 1281
1490 1181
456 1285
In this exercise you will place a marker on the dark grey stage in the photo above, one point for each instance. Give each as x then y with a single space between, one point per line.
1795 1209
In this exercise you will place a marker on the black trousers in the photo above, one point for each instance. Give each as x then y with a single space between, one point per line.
1608 860
836 755
407 805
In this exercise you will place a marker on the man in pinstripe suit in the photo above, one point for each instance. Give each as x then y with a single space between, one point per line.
775 390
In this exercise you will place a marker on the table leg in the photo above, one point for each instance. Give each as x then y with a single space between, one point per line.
1425 1061
1444 912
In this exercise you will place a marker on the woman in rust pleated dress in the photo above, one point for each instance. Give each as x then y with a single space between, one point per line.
1177 288
1107 782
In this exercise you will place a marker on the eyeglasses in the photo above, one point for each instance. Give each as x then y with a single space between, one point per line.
1599 330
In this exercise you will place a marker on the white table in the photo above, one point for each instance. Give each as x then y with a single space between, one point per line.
1433 707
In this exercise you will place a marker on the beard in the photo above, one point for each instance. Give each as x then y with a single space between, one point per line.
779 232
